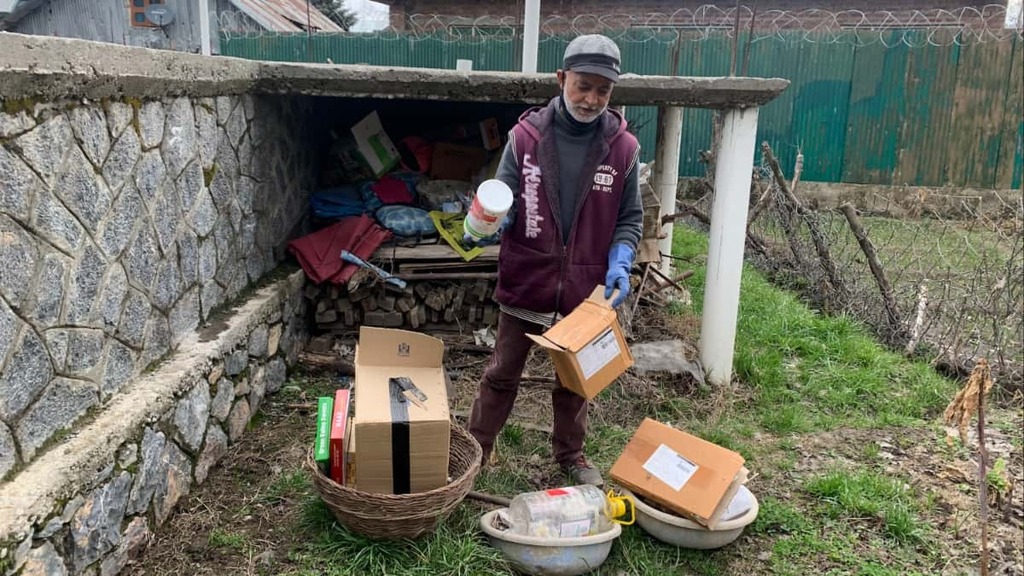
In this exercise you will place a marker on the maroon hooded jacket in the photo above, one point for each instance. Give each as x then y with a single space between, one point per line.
536 271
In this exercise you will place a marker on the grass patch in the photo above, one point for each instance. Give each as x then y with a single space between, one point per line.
871 497
456 549
289 484
812 372
228 540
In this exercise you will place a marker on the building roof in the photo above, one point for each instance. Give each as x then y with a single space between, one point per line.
13 10
275 15
286 15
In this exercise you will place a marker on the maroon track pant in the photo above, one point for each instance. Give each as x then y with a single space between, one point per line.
500 385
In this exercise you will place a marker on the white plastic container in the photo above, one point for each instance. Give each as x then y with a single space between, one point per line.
682 532
491 203
571 512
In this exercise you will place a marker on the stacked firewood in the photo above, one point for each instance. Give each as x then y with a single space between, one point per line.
442 292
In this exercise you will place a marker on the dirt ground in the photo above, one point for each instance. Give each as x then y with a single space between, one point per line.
242 522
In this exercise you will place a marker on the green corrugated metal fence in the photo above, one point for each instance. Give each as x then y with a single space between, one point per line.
869 114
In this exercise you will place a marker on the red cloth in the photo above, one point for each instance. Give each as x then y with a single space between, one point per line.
319 253
391 190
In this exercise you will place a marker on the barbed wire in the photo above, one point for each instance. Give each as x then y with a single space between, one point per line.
935 27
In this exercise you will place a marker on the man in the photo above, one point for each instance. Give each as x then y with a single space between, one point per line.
575 223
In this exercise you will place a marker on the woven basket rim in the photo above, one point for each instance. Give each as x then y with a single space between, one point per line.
443 491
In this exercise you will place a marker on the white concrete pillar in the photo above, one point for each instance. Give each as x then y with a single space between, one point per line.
733 169
531 36
666 172
204 27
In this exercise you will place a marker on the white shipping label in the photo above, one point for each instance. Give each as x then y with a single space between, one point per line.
598 353
670 467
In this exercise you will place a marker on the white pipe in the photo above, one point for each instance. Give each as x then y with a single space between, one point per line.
666 172
464 65
531 36
733 170
204 27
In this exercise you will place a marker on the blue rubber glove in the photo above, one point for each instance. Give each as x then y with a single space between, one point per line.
620 262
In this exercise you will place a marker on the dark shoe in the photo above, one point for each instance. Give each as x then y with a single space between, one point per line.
580 471
489 458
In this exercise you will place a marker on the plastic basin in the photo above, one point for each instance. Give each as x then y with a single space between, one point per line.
685 533
550 556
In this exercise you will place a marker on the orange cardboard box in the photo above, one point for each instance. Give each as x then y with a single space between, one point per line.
688 475
587 346
455 162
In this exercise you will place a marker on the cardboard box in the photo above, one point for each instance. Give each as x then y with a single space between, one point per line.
454 162
401 423
490 134
587 346
321 446
375 145
339 424
350 456
688 475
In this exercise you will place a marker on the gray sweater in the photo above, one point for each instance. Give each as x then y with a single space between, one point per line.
571 142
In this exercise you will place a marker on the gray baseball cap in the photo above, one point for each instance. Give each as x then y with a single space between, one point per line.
593 54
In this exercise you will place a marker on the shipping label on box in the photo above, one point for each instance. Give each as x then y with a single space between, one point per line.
375 145
402 420
690 476
587 347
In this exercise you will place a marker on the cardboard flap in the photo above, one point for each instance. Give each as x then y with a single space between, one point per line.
579 328
597 296
543 342
398 349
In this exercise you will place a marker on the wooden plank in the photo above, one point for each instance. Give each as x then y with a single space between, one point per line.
927 116
437 266
429 252
978 110
1011 150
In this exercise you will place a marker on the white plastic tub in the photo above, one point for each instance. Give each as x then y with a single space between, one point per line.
679 531
550 556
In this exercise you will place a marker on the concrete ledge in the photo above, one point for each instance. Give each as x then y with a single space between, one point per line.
433 84
80 463
49 68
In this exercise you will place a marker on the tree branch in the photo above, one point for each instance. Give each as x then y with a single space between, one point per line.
888 297
817 237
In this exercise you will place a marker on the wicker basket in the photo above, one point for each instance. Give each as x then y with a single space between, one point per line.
402 515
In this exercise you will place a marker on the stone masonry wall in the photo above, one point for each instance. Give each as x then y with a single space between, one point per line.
150 446
124 224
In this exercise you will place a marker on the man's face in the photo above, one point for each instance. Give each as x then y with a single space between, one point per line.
586 95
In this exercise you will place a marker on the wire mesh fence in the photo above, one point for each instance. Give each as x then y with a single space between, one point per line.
935 27
939 277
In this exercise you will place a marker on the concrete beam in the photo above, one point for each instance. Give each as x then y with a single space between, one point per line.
482 86
48 68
